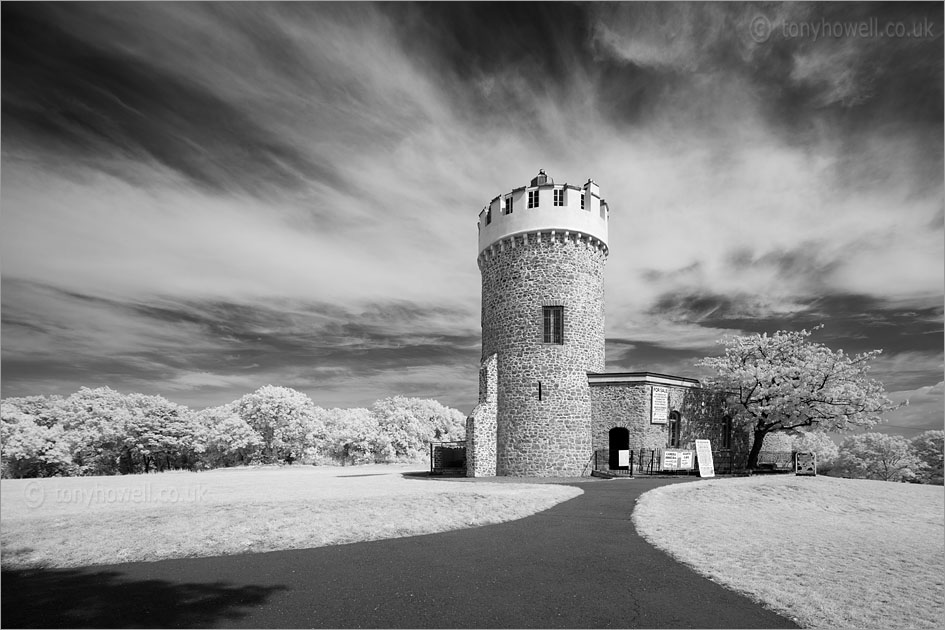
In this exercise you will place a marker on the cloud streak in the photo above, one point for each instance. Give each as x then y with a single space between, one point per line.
297 185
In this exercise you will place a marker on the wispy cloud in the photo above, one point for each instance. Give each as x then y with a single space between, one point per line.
201 197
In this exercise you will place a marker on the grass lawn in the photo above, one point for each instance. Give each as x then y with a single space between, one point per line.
831 553
80 521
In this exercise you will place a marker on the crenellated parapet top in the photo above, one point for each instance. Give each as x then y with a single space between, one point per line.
577 239
544 207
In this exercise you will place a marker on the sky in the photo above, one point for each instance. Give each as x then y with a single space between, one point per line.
202 199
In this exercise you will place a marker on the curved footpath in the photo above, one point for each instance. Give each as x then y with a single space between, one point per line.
580 564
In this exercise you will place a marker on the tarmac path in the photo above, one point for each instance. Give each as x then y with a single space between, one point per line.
580 564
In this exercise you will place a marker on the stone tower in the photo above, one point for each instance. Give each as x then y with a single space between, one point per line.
542 250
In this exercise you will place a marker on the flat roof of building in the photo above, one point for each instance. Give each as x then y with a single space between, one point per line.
651 378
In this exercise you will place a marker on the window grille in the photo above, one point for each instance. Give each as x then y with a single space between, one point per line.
559 197
508 205
488 216
582 201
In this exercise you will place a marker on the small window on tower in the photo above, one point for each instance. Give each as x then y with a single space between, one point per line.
582 201
488 216
559 197
532 198
508 205
553 318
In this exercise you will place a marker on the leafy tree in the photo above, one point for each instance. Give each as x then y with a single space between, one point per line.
353 436
407 425
223 438
29 448
44 410
878 456
784 382
929 448
159 434
95 421
285 420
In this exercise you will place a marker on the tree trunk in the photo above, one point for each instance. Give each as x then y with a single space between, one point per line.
756 448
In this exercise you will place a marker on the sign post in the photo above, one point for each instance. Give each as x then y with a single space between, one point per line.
704 454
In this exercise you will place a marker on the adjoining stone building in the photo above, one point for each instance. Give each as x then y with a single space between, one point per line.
545 403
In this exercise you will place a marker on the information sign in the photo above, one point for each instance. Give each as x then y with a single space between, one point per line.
670 460
659 405
704 453
623 458
685 460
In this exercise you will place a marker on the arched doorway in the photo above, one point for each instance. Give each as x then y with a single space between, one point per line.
619 441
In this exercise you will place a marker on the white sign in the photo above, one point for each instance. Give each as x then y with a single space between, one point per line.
671 459
623 458
675 459
704 453
659 405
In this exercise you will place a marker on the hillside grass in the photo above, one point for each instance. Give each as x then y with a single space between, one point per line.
81 521
830 553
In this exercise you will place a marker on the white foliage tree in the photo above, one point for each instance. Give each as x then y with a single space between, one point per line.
353 436
929 448
285 420
785 382
159 433
96 422
878 456
224 438
29 448
407 425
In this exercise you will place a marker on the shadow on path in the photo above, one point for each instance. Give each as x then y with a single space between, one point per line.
579 564
90 598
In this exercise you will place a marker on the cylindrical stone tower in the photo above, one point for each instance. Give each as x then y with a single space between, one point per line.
542 250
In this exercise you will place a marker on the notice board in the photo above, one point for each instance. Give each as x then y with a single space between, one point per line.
677 459
704 453
659 405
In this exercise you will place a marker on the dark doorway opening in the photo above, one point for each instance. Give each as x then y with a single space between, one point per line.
619 441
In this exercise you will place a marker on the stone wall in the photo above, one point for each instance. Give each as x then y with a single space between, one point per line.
628 405
550 435
480 425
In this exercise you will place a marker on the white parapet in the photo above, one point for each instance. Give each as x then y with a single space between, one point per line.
554 207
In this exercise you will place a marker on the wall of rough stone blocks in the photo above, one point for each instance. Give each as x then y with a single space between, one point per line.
481 423
628 405
550 436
